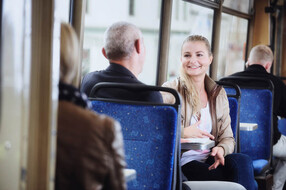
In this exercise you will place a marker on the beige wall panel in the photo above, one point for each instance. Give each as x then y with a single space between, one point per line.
261 29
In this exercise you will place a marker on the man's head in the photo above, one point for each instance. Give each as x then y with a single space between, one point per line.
123 44
261 55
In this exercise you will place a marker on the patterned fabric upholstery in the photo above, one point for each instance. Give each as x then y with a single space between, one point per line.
258 165
282 126
256 107
233 112
230 91
149 134
234 107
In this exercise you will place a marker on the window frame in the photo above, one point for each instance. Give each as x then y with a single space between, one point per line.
165 27
218 8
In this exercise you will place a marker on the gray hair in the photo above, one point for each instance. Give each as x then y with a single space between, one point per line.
260 54
119 40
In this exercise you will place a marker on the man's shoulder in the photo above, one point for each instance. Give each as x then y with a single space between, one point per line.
277 82
242 73
94 73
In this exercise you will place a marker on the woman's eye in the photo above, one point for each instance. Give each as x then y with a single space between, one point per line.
199 55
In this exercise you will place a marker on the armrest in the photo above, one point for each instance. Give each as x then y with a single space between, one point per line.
129 174
248 126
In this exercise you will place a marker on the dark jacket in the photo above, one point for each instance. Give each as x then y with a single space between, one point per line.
89 150
279 106
117 73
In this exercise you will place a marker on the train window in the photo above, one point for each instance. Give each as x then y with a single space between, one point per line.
187 19
62 11
233 36
102 14
241 5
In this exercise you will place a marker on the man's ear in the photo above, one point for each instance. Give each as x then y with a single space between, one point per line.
104 53
138 45
268 66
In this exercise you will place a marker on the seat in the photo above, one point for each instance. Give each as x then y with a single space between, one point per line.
151 133
256 107
151 173
233 95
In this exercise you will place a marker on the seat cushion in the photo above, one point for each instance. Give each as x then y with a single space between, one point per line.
258 166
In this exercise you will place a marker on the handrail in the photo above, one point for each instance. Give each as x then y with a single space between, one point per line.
232 85
248 80
134 88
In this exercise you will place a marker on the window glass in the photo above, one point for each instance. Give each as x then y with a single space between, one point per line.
102 14
238 5
233 36
187 19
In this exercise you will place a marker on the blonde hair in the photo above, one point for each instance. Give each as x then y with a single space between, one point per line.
260 54
198 38
192 94
69 55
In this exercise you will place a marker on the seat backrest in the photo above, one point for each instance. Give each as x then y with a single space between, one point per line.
282 125
255 107
282 121
234 116
233 95
151 134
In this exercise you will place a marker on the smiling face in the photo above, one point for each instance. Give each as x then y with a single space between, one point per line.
195 58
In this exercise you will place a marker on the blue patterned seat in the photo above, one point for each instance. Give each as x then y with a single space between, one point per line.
233 95
282 125
151 141
256 107
234 116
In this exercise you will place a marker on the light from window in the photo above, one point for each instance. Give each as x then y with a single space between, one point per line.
188 19
103 14
233 36
241 5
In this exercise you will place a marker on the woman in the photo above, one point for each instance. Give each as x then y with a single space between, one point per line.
205 113
89 146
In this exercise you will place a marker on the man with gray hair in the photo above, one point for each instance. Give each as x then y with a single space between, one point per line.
124 48
259 65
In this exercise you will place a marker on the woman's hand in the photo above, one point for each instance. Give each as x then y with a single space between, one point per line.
218 153
194 132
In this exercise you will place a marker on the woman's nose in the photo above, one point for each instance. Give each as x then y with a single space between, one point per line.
193 60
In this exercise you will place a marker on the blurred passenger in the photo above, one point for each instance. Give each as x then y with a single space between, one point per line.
89 146
205 113
259 65
125 50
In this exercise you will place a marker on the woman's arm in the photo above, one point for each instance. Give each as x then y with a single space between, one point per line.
225 134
